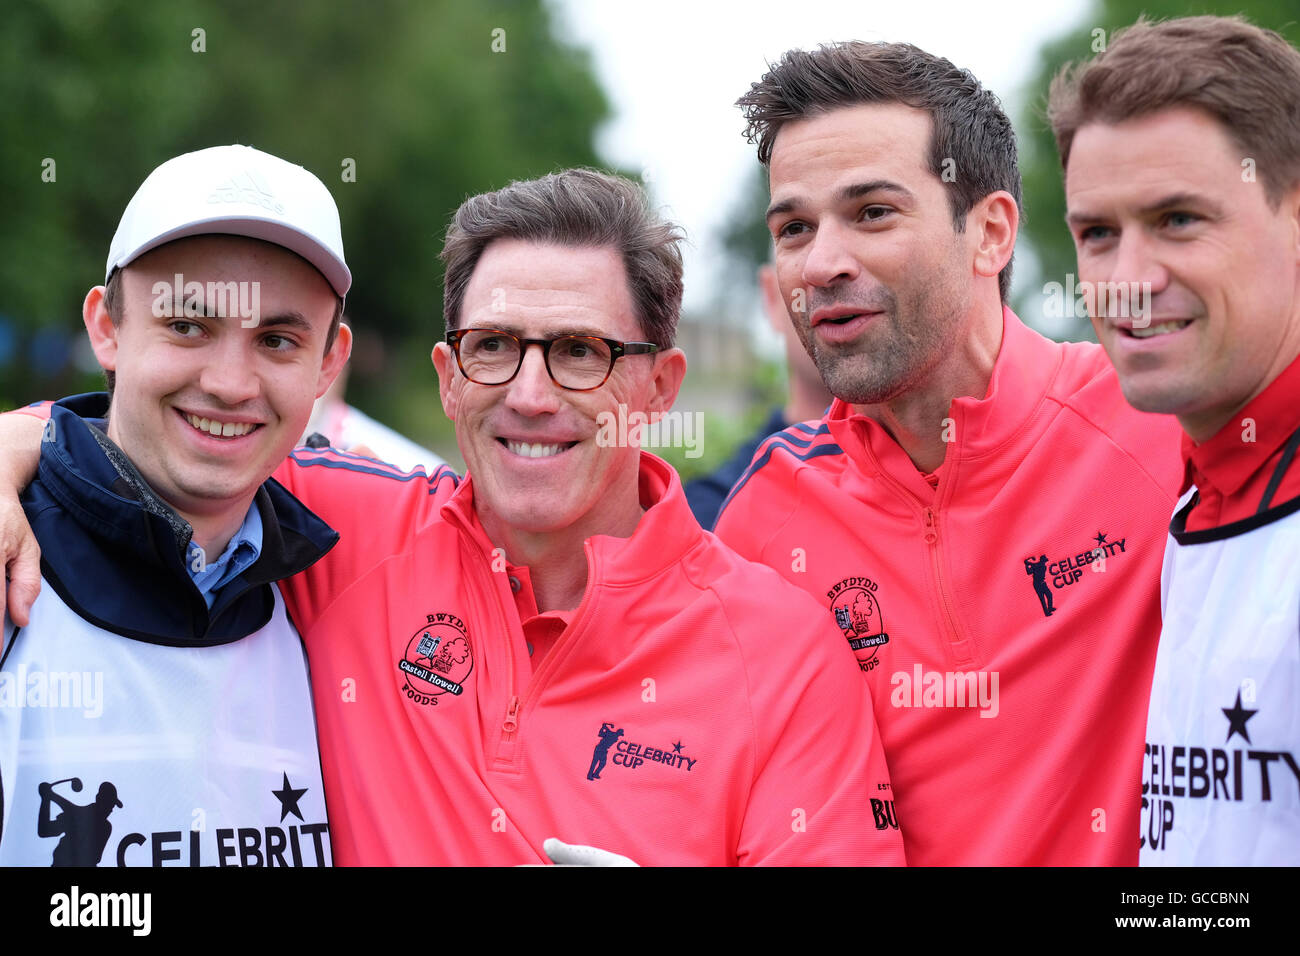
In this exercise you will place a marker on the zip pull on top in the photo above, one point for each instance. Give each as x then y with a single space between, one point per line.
512 716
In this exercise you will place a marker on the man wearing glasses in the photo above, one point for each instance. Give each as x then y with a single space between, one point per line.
477 646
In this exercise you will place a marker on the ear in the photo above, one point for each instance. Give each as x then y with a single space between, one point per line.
993 222
100 328
445 364
334 360
669 371
1291 206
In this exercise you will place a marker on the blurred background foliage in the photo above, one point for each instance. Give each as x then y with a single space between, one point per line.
108 90
413 93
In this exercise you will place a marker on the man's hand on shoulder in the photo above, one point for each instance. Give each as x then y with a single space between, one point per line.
20 452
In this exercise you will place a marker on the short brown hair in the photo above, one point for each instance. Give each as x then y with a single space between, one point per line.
113 306
970 128
580 208
1246 77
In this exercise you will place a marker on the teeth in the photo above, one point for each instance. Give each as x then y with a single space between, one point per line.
1160 328
529 450
219 429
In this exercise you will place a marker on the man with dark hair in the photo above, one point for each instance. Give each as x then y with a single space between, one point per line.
970 132
959 442
578 207
467 638
1181 152
576 584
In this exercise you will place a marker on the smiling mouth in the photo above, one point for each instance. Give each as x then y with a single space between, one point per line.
535 449
216 429
1158 328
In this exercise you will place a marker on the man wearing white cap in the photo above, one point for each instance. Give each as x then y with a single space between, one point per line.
158 662
764 733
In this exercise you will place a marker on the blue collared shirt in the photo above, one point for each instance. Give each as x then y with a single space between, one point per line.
210 576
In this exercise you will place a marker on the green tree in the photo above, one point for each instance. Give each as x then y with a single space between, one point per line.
745 240
427 102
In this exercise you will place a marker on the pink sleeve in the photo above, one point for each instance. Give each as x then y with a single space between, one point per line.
39 410
760 502
821 793
740 527
375 507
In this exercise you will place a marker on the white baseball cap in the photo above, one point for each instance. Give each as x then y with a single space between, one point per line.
237 191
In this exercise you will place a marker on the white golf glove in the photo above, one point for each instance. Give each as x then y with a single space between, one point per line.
568 854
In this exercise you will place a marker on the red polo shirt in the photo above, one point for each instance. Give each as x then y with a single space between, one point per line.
1005 616
1233 469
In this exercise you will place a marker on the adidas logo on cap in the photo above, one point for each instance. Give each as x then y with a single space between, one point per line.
227 190
247 187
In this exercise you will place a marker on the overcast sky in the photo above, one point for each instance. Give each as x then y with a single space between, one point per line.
673 69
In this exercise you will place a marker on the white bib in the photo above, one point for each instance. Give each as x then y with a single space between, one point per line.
210 751
1220 780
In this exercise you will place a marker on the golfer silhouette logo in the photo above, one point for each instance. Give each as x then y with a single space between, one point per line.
1039 570
85 829
608 735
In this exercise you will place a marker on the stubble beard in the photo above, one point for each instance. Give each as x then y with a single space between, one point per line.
891 355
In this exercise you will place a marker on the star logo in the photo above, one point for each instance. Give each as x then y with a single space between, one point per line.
1100 539
1237 717
677 747
289 798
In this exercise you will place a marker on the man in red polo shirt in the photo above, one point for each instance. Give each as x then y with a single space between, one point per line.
1160 138
979 511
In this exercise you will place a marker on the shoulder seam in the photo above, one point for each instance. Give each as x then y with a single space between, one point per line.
1070 407
371 466
768 447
